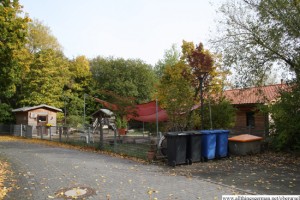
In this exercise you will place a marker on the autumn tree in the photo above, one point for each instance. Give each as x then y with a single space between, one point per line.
175 94
80 84
13 34
40 38
45 82
201 64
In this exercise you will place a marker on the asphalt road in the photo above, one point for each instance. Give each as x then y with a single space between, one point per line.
44 172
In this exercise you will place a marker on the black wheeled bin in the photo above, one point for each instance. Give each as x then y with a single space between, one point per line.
194 147
176 148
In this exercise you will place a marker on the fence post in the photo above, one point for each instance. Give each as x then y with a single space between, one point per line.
115 137
50 133
88 139
60 132
42 132
21 130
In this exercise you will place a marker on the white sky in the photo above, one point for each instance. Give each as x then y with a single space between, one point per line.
141 29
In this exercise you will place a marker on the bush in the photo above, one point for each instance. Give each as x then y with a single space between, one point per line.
285 115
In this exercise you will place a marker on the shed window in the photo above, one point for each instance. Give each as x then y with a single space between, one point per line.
42 118
250 119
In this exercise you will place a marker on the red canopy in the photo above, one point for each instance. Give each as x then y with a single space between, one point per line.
142 112
147 113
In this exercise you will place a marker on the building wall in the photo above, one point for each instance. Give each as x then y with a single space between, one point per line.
22 118
260 120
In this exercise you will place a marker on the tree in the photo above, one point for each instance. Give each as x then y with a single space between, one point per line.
175 94
171 57
285 120
201 64
45 82
127 78
13 34
41 38
256 35
79 84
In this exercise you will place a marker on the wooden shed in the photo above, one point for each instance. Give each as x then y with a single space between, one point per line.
36 115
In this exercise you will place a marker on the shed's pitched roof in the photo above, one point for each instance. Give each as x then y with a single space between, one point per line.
24 109
263 94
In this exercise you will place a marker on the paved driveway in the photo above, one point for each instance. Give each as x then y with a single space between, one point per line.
44 172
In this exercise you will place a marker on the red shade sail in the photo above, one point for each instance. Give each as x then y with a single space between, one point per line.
147 113
142 112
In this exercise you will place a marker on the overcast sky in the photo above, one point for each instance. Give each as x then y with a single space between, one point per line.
141 29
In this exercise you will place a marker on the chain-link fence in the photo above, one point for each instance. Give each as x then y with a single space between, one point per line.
133 143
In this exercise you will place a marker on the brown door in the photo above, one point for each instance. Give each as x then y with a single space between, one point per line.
42 120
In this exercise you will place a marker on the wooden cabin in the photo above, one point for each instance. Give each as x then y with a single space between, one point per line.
36 116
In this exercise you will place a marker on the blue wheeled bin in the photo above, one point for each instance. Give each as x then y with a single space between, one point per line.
221 143
176 148
194 147
208 144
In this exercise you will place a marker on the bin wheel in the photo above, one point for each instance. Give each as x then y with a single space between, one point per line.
205 159
173 163
202 159
190 162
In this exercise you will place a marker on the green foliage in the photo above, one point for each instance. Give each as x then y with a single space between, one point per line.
46 79
127 78
5 113
175 94
121 122
12 39
41 38
222 114
285 115
171 57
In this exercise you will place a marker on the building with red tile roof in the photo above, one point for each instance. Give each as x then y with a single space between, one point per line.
249 119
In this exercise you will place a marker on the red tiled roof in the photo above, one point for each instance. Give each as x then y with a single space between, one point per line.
253 95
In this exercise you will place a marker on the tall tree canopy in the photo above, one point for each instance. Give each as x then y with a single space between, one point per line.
171 57
12 39
175 94
13 32
41 38
45 82
128 78
255 35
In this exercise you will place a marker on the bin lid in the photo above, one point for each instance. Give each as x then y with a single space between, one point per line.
175 134
245 138
221 131
206 132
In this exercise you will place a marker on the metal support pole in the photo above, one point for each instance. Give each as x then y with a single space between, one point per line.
156 106
89 136
210 114
21 133
201 102
101 144
83 111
